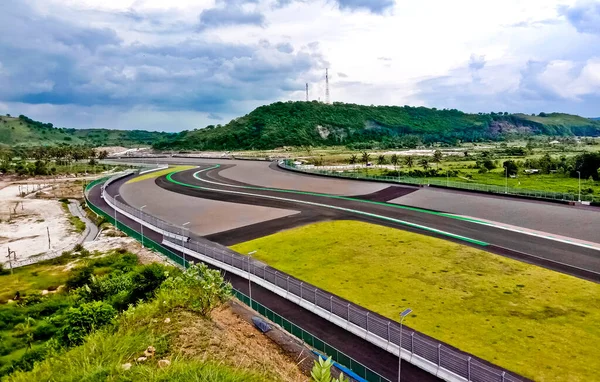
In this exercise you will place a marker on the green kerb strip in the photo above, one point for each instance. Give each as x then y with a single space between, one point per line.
409 224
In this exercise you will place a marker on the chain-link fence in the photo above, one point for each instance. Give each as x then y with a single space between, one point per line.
334 171
313 341
436 353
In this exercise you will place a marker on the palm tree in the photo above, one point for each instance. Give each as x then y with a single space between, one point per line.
366 157
424 163
410 162
381 160
394 160
437 157
353 159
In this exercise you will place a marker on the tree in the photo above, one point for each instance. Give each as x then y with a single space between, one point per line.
424 163
511 167
353 159
366 157
102 154
588 164
409 160
394 160
437 157
381 160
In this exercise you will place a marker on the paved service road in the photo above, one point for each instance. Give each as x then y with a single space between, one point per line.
209 184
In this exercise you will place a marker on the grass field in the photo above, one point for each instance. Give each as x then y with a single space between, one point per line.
539 323
32 278
156 174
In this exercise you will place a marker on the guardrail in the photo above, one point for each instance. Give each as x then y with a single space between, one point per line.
333 171
287 325
429 354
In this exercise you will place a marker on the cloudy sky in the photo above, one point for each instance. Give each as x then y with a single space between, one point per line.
183 64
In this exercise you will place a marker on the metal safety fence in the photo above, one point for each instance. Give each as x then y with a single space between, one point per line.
437 354
313 341
334 171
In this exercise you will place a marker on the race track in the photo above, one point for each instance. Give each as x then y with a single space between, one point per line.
234 201
576 257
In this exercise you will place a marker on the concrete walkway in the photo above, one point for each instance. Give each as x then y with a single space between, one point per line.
91 231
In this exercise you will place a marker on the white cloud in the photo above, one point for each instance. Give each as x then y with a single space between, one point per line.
468 54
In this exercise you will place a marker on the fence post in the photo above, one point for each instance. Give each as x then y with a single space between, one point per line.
469 369
388 332
315 296
287 284
367 322
331 304
301 284
348 312
412 342
503 374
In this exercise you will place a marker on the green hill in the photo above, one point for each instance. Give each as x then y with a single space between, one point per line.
23 131
314 123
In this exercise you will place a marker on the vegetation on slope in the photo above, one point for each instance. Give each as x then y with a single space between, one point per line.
358 126
519 316
27 132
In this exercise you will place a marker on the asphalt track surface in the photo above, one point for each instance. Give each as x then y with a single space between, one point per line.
210 184
362 351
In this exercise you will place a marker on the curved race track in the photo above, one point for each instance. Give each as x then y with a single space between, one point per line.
235 201
209 182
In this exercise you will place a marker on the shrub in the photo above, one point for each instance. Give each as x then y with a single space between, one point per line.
79 278
198 288
321 372
81 321
44 331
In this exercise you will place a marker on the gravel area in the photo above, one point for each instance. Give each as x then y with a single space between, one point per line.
558 219
206 216
25 230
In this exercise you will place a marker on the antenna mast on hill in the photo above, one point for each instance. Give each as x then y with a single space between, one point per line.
327 85
307 92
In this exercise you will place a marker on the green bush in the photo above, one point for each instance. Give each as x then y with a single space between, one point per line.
79 278
44 331
81 321
198 288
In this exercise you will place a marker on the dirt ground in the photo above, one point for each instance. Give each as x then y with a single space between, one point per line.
228 338
25 228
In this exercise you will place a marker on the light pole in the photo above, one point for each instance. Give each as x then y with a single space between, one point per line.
116 221
405 313
249 281
579 174
142 224
182 245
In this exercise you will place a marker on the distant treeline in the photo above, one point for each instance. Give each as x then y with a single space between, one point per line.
363 127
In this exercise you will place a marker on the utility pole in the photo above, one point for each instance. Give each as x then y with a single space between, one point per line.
10 261
48 232
579 174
